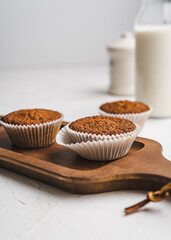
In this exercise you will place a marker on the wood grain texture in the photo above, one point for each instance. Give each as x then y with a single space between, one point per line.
143 168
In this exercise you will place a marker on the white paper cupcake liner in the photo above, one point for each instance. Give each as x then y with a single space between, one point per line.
99 150
139 118
33 136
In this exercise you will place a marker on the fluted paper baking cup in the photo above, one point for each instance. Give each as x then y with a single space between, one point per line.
139 118
33 136
98 150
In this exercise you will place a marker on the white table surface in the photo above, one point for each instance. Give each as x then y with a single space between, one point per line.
32 210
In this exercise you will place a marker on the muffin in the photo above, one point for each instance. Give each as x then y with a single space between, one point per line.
135 111
99 137
32 128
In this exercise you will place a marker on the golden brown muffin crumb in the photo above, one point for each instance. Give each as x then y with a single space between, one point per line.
102 125
124 107
31 116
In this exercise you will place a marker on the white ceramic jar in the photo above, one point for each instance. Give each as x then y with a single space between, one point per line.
122 65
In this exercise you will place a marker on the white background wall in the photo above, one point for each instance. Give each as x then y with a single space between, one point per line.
36 32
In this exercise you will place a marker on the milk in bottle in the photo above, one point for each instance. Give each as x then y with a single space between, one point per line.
153 57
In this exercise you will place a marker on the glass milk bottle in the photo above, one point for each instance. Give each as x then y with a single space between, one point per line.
153 56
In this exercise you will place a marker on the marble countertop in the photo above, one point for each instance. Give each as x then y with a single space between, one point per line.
33 210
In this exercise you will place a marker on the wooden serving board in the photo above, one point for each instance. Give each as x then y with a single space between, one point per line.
143 168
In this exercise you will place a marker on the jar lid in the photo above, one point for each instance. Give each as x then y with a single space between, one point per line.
125 42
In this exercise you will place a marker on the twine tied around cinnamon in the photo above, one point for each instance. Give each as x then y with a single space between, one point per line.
156 196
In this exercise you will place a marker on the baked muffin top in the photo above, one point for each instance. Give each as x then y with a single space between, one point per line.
102 125
123 107
31 116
